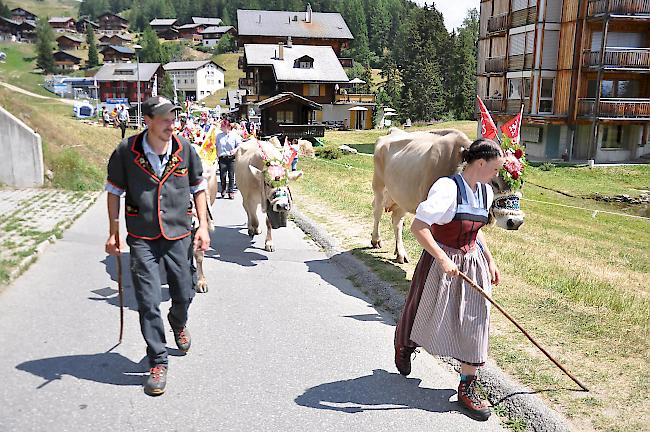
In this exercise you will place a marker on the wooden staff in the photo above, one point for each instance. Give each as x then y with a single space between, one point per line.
120 291
496 305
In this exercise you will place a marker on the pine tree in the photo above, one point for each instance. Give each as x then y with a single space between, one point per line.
44 45
93 57
167 87
465 67
4 10
151 52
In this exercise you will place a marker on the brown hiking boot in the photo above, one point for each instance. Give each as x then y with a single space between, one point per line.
156 381
181 336
403 359
468 397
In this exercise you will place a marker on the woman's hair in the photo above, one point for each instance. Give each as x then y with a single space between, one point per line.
226 123
482 148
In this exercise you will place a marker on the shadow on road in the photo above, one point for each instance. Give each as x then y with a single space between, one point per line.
377 392
107 368
229 244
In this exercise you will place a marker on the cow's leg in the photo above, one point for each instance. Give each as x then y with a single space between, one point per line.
397 218
202 282
268 244
377 209
251 206
213 186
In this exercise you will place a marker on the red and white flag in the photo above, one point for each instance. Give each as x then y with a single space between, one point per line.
512 128
488 128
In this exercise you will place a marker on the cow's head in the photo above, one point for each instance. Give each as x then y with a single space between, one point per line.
506 211
275 177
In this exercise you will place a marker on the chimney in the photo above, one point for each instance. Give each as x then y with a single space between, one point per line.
289 42
308 13
280 51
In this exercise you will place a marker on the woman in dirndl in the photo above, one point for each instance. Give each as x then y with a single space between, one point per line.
442 313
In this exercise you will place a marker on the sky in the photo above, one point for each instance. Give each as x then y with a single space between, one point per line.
454 11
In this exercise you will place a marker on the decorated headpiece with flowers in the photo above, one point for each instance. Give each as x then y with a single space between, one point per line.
515 165
275 170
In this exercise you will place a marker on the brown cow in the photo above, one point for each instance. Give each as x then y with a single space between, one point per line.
405 167
210 175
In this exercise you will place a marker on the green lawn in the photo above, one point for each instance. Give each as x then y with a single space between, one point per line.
577 282
19 67
232 75
47 8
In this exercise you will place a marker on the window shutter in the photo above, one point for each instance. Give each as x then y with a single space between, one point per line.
519 5
305 89
530 42
322 91
517 44
551 46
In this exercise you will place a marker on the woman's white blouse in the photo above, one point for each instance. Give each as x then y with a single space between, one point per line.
440 206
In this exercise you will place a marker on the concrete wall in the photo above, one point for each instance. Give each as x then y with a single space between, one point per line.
22 161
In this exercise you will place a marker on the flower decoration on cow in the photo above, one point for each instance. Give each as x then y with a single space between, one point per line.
276 173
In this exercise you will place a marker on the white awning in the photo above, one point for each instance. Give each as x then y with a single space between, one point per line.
357 108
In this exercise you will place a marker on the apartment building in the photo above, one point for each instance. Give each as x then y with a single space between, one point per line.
579 68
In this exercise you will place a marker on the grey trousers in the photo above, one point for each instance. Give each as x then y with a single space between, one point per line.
146 257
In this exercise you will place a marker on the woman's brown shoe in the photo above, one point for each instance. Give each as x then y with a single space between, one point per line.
403 359
476 408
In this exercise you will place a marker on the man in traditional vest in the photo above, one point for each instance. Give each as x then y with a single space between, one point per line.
157 172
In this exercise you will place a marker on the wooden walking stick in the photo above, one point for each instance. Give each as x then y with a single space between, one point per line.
503 311
120 291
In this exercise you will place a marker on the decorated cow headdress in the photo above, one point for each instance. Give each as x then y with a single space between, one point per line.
276 170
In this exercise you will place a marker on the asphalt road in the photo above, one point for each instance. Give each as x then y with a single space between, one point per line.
281 342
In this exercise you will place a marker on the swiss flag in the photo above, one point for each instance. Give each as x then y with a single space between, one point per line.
512 128
488 128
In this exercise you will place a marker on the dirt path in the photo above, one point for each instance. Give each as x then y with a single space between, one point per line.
28 93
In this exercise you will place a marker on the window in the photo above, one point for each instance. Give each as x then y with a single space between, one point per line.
615 89
518 88
313 90
546 95
284 117
612 137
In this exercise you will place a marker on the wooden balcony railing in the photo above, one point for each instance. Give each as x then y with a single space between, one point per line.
346 62
498 23
514 105
494 104
520 62
615 108
637 58
246 82
619 7
302 131
495 64
523 17
355 98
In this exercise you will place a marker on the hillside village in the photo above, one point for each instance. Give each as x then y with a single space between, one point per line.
574 77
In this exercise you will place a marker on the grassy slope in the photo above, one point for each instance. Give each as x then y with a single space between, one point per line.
17 70
47 8
578 283
232 75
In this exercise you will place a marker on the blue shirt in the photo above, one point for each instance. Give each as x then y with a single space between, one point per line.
158 167
228 143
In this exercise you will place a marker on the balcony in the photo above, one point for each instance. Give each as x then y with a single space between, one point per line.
635 59
498 23
355 98
494 104
514 105
241 63
346 62
520 62
248 84
523 17
619 7
495 65
302 131
632 109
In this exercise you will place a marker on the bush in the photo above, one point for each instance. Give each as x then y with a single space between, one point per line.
328 152
546 166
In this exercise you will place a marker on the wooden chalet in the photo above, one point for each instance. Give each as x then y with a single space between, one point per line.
62 24
305 28
579 68
83 23
19 15
110 23
67 42
211 35
118 53
118 39
66 61
120 80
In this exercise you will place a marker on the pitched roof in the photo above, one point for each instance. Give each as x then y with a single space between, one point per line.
66 54
74 39
115 15
189 26
189 65
120 49
7 20
283 97
22 9
217 29
207 21
163 21
327 67
281 23
126 71
60 19
86 20
123 36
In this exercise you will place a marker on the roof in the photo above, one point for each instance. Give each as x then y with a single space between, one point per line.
120 49
60 19
7 20
188 26
327 67
191 65
217 29
22 9
280 23
66 54
283 97
207 21
86 20
107 72
112 14
122 36
163 22
74 39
